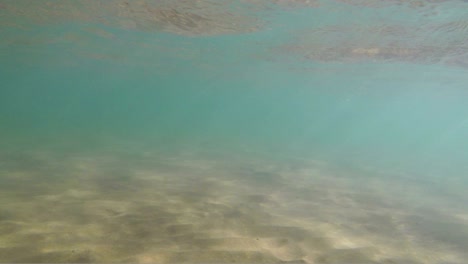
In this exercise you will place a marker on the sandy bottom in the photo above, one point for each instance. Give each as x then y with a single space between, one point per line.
149 208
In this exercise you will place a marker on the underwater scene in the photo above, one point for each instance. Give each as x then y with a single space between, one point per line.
234 131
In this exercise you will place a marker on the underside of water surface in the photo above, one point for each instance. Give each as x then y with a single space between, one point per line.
234 131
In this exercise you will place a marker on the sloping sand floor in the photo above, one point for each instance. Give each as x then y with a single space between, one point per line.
59 208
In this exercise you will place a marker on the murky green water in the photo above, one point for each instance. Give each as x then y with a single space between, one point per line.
251 131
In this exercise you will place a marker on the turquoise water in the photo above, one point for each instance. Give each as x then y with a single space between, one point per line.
234 131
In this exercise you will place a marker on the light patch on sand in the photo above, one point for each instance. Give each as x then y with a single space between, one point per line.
151 258
78 194
342 241
463 217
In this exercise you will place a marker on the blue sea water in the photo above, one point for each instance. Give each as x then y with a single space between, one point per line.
350 118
